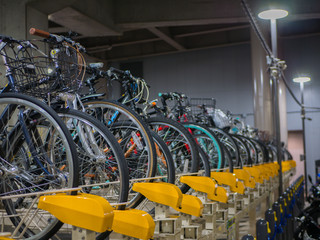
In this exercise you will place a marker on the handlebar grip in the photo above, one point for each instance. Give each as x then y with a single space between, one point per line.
115 70
40 33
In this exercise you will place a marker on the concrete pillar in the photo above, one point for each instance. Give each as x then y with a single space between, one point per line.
16 18
262 102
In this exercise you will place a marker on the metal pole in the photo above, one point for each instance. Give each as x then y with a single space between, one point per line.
275 78
273 26
303 118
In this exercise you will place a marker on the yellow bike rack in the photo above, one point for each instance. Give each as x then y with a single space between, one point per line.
293 163
134 223
286 166
191 205
167 195
5 236
90 213
255 173
206 185
160 192
229 179
83 210
170 195
264 172
273 168
244 175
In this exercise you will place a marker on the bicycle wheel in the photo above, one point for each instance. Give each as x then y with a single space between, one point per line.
228 163
208 142
230 145
32 162
243 150
165 164
204 164
101 159
112 113
133 135
182 146
252 148
262 152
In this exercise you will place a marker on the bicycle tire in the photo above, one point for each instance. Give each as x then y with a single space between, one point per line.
262 155
230 145
39 118
214 152
254 155
97 107
183 145
204 164
243 150
99 153
228 163
101 159
165 164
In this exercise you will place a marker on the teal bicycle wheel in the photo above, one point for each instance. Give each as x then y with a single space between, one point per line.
209 144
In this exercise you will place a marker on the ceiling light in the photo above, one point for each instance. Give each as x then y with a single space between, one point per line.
301 79
273 14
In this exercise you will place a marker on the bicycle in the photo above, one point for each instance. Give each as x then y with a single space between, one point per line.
100 157
135 139
37 152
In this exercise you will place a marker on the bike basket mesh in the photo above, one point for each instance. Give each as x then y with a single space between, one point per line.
197 105
47 70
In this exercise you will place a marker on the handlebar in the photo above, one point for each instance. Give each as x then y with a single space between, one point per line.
8 39
40 33
172 95
120 72
56 38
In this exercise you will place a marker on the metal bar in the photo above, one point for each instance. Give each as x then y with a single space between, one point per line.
166 38
40 193
211 31
275 76
303 118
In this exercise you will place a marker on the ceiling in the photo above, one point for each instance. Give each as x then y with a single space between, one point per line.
116 30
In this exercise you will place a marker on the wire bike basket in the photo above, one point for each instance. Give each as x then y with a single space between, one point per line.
44 69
